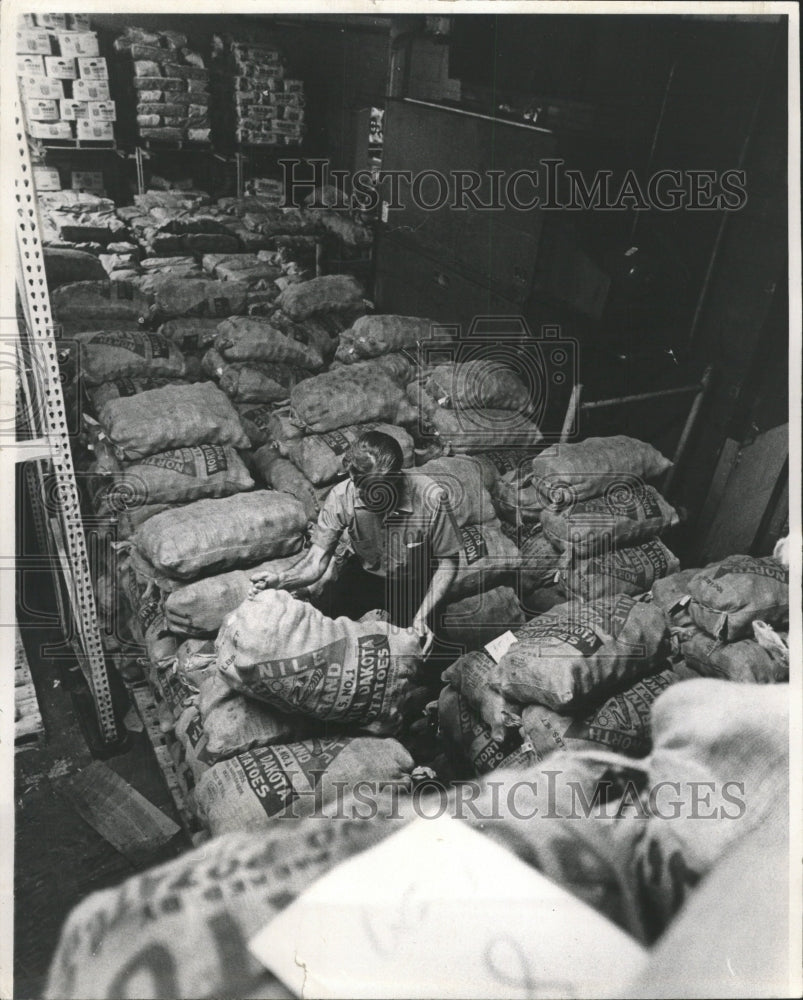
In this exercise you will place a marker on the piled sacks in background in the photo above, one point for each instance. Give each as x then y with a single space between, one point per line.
255 98
79 220
170 84
209 483
587 667
730 619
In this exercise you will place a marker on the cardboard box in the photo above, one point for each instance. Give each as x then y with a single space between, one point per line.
30 66
78 43
72 110
34 42
46 179
92 68
55 22
87 180
42 110
61 67
86 129
91 90
50 130
102 111
78 22
41 86
26 21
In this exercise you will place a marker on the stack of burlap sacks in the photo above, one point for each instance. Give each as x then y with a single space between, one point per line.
170 83
615 622
218 435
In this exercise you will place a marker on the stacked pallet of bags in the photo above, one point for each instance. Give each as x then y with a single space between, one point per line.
170 85
258 103
730 619
586 668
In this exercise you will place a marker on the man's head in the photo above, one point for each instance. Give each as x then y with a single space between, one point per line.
374 464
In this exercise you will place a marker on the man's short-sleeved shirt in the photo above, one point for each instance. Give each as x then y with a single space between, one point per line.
418 528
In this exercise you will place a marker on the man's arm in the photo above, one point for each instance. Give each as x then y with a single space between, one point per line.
308 570
439 585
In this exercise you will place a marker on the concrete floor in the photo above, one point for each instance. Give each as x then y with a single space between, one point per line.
60 859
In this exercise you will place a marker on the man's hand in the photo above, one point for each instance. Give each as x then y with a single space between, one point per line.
268 579
425 634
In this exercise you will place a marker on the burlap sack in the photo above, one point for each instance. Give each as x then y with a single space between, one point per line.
566 473
330 293
120 388
173 693
478 430
614 521
209 536
281 474
234 724
471 675
472 622
287 653
621 724
463 479
92 305
190 752
207 470
255 382
627 571
110 354
469 744
372 336
516 498
170 298
670 594
196 659
728 596
486 559
540 561
64 267
474 385
355 394
243 338
176 416
194 334
320 456
255 418
579 652
721 761
199 608
248 791
149 625
180 929
743 661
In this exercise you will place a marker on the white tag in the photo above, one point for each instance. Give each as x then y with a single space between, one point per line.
497 647
385 211
438 909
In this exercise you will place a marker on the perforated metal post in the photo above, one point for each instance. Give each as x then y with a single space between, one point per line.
63 495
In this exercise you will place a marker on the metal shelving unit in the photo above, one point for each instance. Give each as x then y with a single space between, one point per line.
49 471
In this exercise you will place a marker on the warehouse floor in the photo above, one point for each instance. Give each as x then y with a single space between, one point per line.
59 858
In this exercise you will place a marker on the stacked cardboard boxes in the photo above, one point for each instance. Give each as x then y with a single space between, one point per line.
63 79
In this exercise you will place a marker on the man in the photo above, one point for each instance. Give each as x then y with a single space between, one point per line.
403 538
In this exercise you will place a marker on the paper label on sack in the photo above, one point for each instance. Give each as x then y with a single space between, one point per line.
497 647
438 909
